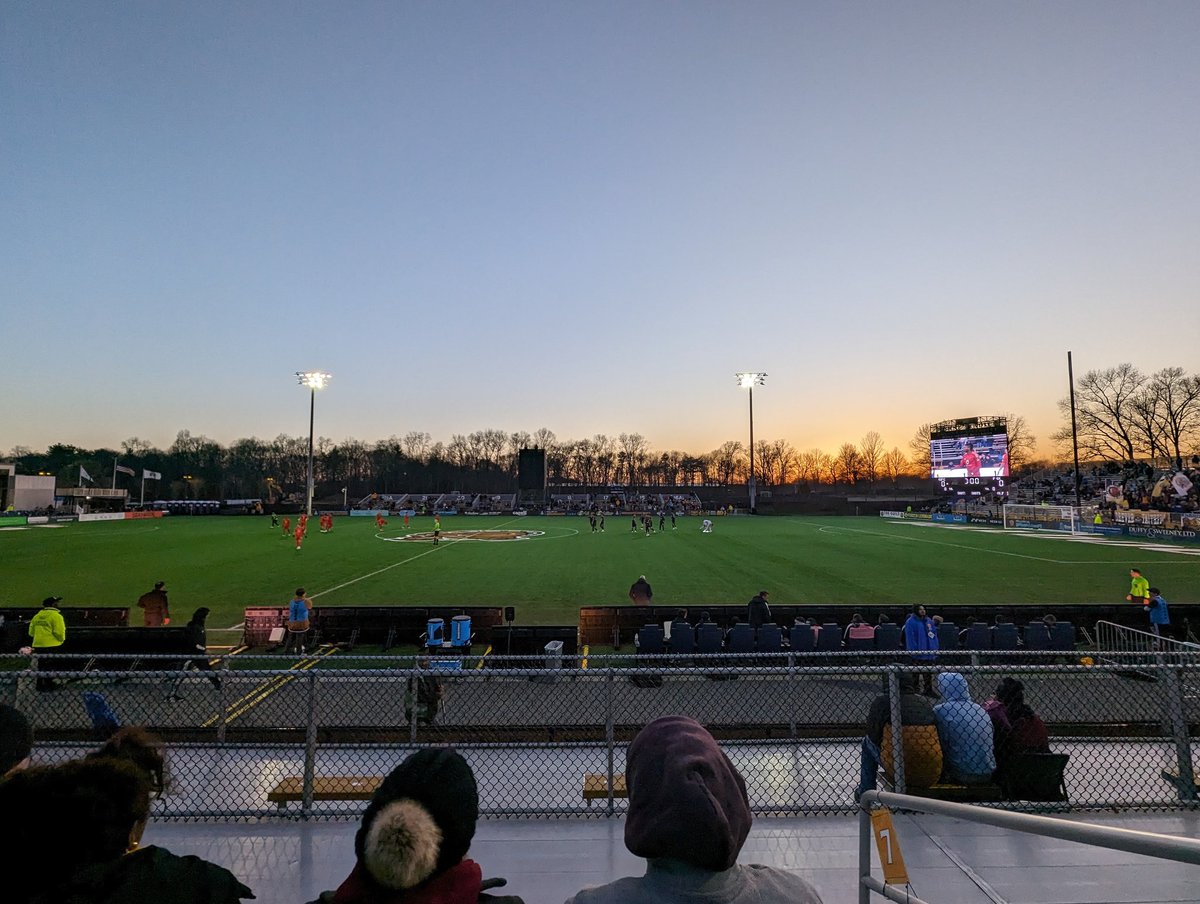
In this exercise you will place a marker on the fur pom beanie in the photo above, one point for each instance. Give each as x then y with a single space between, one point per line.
421 820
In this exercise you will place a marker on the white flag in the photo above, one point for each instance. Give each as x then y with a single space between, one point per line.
1181 483
150 475
84 475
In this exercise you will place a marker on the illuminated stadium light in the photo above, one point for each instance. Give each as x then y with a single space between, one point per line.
314 380
748 381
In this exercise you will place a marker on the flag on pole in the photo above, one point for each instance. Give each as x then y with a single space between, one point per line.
150 475
125 470
84 475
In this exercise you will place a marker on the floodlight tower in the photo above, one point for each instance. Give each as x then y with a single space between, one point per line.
314 380
748 381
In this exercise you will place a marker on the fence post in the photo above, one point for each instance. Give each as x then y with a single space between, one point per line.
864 854
609 734
1185 779
410 702
897 730
222 707
793 693
310 746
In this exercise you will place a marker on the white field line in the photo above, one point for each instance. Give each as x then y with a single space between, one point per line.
431 551
998 552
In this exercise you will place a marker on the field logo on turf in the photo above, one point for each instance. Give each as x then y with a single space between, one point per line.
427 535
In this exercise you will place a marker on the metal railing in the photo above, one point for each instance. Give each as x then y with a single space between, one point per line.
792 724
1164 847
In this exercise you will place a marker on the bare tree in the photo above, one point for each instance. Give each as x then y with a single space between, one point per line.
847 464
1022 444
726 459
918 446
893 464
1104 408
870 453
1179 404
633 449
543 437
417 445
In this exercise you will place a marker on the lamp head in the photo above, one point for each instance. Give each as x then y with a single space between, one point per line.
750 380
313 379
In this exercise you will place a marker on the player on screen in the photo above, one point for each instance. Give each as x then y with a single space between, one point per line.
969 460
1004 464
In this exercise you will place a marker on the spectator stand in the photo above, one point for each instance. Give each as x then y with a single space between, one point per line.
348 626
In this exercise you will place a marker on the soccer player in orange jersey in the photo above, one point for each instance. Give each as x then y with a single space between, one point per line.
287 526
299 535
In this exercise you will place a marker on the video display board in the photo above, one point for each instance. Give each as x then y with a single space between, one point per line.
973 450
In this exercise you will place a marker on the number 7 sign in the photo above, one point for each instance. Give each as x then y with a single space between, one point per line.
888 843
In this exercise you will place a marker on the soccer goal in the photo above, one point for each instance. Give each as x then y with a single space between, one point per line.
1065 518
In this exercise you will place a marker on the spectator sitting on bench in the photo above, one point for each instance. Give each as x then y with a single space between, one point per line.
965 733
689 817
915 711
858 629
1016 727
80 841
414 838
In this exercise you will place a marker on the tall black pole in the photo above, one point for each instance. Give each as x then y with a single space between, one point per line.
312 407
1074 431
751 388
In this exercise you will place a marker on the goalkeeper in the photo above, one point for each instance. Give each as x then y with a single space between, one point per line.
1139 588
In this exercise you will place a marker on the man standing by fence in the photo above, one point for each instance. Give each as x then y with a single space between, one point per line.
153 603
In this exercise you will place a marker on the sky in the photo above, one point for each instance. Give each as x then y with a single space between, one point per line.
588 216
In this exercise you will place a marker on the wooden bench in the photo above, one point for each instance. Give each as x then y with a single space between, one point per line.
951 791
595 786
325 787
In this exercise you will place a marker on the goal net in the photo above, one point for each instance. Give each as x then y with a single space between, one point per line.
1066 518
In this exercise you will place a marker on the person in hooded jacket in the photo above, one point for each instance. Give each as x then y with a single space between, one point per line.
1015 726
412 845
689 817
921 636
965 733
80 842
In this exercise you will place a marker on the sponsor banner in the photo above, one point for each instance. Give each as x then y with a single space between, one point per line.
1161 533
135 515
943 518
447 511
984 519
103 516
916 516
1104 530
58 519
891 514
39 519
370 513
14 520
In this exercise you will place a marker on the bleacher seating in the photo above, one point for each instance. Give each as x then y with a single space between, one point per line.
741 639
829 638
769 639
683 637
382 625
650 640
802 639
709 638
977 637
947 633
887 637
15 619
1005 637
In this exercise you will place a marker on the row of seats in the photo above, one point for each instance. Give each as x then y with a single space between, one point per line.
828 638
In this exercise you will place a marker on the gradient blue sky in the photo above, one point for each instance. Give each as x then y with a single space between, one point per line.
588 216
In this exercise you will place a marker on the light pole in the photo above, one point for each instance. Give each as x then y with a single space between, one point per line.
748 381
314 380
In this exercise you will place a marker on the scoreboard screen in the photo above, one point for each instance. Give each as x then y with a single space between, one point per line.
970 452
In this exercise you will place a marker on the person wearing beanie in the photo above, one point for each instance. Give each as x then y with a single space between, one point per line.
413 842
689 817
16 740
156 612
47 632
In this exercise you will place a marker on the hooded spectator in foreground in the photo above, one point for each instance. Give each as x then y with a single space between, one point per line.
413 842
16 740
965 733
689 817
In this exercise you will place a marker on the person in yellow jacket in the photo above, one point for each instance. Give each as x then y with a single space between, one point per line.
47 632
1139 588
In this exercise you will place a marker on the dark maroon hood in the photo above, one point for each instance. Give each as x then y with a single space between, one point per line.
686 800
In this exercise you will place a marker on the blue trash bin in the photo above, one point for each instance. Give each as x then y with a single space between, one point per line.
460 631
435 633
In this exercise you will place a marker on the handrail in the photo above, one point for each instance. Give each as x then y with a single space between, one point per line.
1150 844
1151 642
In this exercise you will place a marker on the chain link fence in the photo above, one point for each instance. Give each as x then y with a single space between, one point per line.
274 736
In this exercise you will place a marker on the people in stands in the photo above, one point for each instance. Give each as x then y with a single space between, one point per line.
47 632
689 817
640 592
1016 728
965 733
922 749
16 740
413 842
1156 608
297 626
80 842
758 612
858 629
921 636
153 603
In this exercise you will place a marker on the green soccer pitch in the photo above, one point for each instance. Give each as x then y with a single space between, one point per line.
228 563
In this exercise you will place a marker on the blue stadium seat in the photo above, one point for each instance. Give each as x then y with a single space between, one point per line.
650 639
802 639
769 639
741 639
1062 638
947 634
105 720
683 637
887 637
1005 637
977 637
1037 636
710 638
830 638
